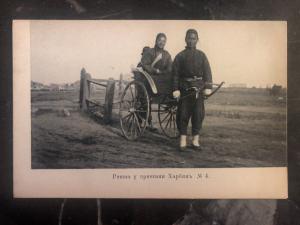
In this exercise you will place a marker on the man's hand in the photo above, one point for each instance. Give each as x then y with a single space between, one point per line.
176 94
207 92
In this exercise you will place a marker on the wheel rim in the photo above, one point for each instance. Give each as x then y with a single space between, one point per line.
134 110
167 109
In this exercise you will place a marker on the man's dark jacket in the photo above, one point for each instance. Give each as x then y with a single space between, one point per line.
164 65
190 63
162 80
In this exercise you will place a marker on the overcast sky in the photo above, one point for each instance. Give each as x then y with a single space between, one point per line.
254 52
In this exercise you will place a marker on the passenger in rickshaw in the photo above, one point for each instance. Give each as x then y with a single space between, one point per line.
191 70
158 63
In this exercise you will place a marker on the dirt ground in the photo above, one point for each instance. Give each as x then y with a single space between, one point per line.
242 128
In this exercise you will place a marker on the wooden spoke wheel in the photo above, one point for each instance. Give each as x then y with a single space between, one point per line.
134 110
167 109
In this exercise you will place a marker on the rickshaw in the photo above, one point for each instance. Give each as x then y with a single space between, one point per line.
146 95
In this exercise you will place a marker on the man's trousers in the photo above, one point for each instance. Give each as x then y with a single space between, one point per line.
190 107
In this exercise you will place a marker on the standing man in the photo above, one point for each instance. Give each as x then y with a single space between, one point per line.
191 69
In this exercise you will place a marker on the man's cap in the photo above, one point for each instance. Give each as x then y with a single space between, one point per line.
160 35
191 31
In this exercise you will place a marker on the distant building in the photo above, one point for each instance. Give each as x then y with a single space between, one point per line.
238 85
55 87
67 87
62 87
36 86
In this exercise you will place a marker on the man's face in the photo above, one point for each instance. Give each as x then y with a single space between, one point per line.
161 42
191 40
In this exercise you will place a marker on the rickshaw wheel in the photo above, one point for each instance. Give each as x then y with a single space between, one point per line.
167 108
134 110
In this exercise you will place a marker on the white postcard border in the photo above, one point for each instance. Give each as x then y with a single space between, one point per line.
205 183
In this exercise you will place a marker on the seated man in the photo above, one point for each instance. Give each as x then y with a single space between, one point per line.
157 62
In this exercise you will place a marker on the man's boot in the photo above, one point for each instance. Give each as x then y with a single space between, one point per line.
195 142
182 144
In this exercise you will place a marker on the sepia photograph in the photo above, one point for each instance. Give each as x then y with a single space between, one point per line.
158 94
150 108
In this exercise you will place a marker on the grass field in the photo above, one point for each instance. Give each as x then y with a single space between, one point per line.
242 128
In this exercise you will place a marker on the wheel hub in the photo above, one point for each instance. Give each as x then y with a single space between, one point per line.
173 110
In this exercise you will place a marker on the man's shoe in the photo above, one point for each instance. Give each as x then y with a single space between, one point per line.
152 129
180 148
197 148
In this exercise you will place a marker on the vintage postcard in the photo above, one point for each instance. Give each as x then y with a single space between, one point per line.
150 109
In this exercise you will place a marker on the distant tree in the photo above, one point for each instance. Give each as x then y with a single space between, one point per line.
275 90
